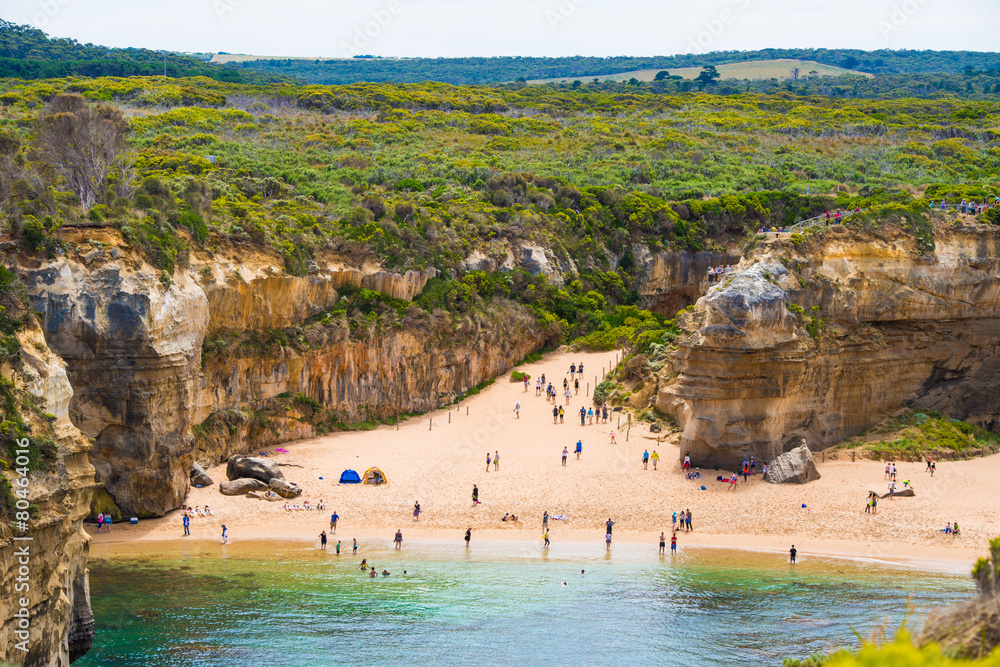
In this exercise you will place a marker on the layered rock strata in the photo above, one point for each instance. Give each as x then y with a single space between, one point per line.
860 326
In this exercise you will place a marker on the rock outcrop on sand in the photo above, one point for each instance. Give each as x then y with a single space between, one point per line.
58 590
238 467
242 486
795 466
284 489
820 341
199 477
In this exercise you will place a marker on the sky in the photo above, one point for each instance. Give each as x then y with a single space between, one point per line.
445 28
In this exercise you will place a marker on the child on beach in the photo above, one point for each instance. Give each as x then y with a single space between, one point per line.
475 494
613 438
322 540
225 536
663 543
517 409
579 449
355 552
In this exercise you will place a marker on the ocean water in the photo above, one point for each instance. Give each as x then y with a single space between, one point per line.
260 603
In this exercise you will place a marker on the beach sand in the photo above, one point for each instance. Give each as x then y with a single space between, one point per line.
437 461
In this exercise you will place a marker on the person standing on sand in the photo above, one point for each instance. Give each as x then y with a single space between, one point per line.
545 520
338 547
609 525
576 386
545 536
590 415
496 460
663 543
567 396
572 370
604 414
687 462
488 461
933 467
579 449
517 409
888 469
187 525
100 522
579 368
894 471
673 543
538 387
416 509
565 454
355 552
673 522
562 415
645 460
525 383
322 540
791 554
555 414
613 441
687 520
225 535
654 458
583 416
468 536
475 494
398 539
607 541
334 518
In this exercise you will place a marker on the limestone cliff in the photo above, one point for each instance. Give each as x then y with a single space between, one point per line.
669 280
132 338
54 575
820 341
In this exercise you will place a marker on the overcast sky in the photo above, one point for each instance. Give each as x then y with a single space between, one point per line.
513 27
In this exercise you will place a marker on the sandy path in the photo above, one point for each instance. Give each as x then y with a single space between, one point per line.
438 467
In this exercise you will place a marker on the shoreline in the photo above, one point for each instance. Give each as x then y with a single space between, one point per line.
941 559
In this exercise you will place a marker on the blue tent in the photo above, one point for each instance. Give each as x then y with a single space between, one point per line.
350 477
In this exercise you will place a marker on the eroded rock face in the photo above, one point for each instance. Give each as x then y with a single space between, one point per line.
284 489
669 280
880 327
132 347
239 487
62 625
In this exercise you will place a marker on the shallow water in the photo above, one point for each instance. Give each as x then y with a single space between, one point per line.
259 603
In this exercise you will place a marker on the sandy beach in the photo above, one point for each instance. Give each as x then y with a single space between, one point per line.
436 458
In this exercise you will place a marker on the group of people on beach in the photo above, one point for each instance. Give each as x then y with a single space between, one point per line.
306 505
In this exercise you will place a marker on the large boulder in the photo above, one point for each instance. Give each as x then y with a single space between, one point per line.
240 467
241 487
903 493
199 477
793 467
284 489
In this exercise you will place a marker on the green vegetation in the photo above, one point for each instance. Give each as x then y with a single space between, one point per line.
899 653
915 433
518 376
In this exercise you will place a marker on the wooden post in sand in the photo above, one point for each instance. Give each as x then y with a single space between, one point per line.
430 423
449 416
588 390
397 421
466 410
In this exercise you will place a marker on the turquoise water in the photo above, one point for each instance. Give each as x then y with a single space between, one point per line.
497 604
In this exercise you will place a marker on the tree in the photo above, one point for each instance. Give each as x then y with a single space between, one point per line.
661 75
795 73
83 144
709 75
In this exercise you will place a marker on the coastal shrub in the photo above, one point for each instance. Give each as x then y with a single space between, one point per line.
518 376
602 391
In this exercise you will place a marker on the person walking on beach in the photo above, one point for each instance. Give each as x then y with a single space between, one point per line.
322 540
517 409
538 387
562 415
583 416
933 467
590 415
930 461
687 462
894 471
604 414
488 461
791 554
355 551
545 520
613 441
475 494
572 370
416 509
663 543
579 449
496 460
526 383
610 524
567 396
555 414
100 522
607 541
545 536
645 460
576 386
888 470
187 525
225 535
687 520
334 518
338 547
468 536
565 454
673 522
398 539
654 458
